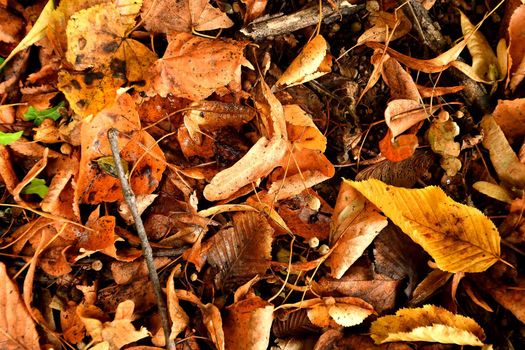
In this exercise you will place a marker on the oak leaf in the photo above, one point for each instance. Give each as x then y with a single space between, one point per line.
17 328
312 63
182 16
193 67
356 222
459 238
429 323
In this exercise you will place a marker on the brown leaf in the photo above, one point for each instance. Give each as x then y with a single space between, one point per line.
400 82
193 67
400 148
254 9
72 327
17 327
312 63
429 286
510 296
505 161
510 116
402 114
240 331
356 224
241 252
386 27
182 16
179 318
516 48
95 185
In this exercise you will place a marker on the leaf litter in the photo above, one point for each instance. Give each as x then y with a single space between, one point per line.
332 185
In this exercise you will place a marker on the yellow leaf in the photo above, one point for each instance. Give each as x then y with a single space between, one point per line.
429 323
459 238
493 191
485 64
310 64
35 34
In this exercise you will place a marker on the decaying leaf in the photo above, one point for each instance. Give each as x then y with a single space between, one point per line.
356 223
193 67
429 323
399 148
116 333
241 252
254 9
179 318
312 63
182 16
459 238
510 116
516 48
17 328
386 27
505 161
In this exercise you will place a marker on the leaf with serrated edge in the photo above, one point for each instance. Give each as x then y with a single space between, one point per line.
429 323
459 238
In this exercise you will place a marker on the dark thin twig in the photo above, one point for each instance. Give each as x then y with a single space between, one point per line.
129 196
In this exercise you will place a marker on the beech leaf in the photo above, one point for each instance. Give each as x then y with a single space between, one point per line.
459 238
429 323
17 329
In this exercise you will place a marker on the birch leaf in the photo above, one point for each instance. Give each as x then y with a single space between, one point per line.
35 34
459 238
429 323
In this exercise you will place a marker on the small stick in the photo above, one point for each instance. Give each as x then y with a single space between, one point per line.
131 201
281 24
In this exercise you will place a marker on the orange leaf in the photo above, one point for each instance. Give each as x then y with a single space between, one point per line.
401 148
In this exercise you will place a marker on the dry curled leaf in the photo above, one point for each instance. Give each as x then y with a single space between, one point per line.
193 67
312 63
429 323
459 238
17 327
167 16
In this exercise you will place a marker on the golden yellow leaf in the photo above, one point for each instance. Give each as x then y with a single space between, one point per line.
310 64
429 323
35 34
485 66
459 238
88 92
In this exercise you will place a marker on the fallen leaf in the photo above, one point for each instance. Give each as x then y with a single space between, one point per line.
16 324
241 252
301 130
260 160
429 323
330 312
386 27
116 333
510 296
516 48
484 62
179 318
37 32
435 280
95 185
356 222
247 324
312 63
504 160
510 116
193 67
400 148
254 9
182 16
459 238
493 191
400 82
402 114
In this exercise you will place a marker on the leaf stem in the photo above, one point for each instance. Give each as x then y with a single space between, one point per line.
131 201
